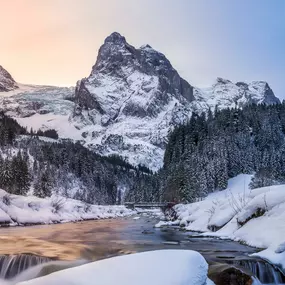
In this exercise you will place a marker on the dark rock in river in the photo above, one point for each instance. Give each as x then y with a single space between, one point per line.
224 274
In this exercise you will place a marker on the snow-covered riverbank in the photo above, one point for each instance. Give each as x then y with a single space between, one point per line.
30 210
255 217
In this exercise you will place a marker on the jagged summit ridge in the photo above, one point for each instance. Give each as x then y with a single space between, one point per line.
7 83
128 104
115 37
137 71
226 94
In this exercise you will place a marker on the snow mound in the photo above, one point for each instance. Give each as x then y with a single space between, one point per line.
148 268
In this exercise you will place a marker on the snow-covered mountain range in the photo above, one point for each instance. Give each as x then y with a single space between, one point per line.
127 105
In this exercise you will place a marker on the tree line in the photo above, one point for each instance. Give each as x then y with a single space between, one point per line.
29 164
200 157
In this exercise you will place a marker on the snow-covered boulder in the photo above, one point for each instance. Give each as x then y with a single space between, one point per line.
165 267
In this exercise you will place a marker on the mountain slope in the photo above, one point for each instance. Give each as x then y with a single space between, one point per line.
7 83
129 101
41 107
134 96
128 104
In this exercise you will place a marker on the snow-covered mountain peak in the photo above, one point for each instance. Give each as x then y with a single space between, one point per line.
146 47
128 104
221 80
118 58
129 81
7 83
226 94
262 93
134 96
115 38
130 100
113 54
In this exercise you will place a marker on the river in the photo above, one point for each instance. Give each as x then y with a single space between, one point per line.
95 240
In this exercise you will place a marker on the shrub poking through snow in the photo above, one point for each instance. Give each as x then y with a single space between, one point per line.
7 199
33 206
280 248
239 201
57 204
87 207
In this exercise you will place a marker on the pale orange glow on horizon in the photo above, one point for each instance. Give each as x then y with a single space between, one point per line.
56 42
43 43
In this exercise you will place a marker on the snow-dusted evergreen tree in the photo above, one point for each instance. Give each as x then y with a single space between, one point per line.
6 174
21 175
43 186
222 145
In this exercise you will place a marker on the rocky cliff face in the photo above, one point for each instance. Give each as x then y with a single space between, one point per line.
126 81
7 83
130 100
128 104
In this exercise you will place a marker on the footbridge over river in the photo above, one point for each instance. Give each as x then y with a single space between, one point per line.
148 205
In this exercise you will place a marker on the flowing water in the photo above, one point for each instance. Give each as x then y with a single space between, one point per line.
266 273
12 265
56 247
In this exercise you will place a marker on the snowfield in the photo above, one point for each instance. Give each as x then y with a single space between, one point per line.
255 217
148 268
29 210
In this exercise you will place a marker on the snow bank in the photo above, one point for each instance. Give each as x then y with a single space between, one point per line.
141 269
217 209
25 210
255 217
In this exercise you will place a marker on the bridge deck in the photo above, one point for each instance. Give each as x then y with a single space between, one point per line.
146 205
